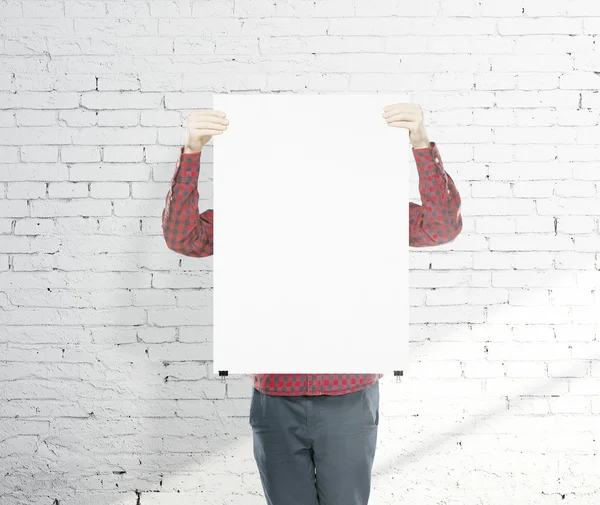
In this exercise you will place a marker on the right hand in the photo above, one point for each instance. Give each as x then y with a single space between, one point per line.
201 126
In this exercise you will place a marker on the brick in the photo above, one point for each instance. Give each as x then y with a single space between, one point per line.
483 369
67 190
495 225
575 225
570 405
490 189
534 224
540 26
109 190
531 242
466 296
526 369
569 260
530 297
118 118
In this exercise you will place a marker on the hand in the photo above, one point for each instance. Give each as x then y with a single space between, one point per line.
410 116
201 126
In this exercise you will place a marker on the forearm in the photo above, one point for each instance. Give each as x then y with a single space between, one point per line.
419 139
185 230
438 219
191 149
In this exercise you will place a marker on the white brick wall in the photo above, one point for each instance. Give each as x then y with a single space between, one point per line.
107 392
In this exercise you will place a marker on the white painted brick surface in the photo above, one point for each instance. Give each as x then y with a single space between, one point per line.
107 392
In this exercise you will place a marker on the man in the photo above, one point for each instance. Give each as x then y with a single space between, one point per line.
314 435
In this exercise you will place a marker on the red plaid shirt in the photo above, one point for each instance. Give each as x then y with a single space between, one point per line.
436 221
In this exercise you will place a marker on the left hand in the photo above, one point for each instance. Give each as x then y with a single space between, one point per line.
410 116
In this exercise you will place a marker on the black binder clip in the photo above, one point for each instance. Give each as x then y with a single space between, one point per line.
398 374
223 373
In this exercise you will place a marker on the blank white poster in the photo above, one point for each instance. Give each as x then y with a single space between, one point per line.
310 262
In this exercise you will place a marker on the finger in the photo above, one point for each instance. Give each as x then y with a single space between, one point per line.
391 116
203 133
393 112
401 124
409 112
202 116
401 105
210 125
208 120
209 112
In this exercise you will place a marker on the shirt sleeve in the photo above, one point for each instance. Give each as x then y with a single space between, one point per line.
438 219
185 229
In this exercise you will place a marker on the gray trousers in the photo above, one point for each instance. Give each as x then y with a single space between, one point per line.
315 450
